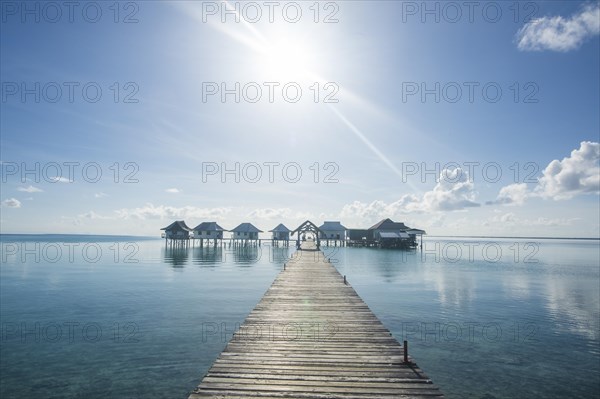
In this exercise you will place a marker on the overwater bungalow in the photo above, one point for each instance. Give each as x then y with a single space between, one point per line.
280 233
390 234
385 234
245 233
333 231
414 233
208 231
177 233
359 237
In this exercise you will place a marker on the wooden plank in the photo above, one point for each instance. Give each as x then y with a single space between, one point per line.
312 336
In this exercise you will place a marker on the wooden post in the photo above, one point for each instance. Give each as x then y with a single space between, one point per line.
405 351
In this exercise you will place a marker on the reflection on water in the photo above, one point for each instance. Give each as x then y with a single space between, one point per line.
573 307
388 264
145 317
280 255
546 314
455 291
207 256
540 298
179 257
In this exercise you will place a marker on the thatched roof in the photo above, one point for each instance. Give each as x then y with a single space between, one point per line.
332 226
281 229
177 225
209 226
246 228
389 224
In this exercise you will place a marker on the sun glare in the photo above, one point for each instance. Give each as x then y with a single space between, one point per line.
288 60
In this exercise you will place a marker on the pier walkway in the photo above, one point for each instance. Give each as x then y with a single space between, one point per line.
312 336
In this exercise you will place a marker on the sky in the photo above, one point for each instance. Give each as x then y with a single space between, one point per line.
459 118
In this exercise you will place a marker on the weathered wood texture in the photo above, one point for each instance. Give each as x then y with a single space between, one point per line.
312 336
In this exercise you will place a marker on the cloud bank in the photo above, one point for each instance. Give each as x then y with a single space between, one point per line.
577 174
559 33
453 192
574 175
149 211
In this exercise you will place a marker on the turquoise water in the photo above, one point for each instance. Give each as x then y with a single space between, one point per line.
491 319
123 317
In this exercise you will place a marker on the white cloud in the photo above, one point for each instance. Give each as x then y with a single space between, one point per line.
371 212
271 213
513 220
574 175
377 210
284 215
504 218
60 179
437 220
11 203
149 211
542 221
30 189
100 195
81 218
173 190
577 174
559 33
453 192
513 194
92 215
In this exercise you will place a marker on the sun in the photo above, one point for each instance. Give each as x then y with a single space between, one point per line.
288 60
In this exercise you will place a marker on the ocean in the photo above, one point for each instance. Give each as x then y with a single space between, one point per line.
127 317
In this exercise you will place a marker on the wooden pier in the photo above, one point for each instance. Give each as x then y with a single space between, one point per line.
312 336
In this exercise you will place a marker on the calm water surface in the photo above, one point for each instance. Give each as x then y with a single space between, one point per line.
122 317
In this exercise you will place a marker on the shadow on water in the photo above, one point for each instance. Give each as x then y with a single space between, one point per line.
280 255
247 256
207 256
177 257
388 264
211 256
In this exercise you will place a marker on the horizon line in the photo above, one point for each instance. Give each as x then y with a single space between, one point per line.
430 235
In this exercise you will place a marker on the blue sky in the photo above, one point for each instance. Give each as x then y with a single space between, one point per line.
459 121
